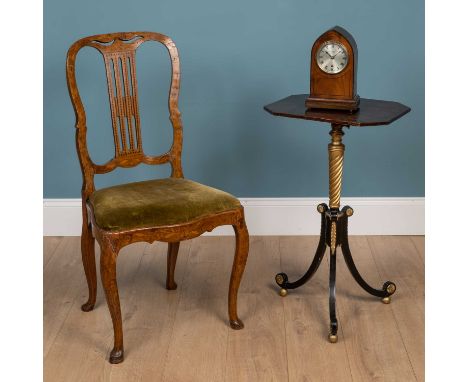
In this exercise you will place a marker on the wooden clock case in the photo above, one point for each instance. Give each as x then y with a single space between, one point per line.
334 91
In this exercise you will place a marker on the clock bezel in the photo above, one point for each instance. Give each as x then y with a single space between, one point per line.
330 42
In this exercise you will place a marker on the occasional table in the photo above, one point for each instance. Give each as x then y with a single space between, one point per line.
334 222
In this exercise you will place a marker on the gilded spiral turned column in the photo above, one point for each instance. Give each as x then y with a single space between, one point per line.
335 165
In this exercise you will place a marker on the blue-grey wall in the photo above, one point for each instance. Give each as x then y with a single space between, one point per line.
237 56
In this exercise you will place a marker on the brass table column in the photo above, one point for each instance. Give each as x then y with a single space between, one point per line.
335 174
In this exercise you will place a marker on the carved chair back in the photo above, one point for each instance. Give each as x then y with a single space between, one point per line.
118 51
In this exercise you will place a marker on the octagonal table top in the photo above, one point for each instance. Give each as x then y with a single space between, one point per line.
371 112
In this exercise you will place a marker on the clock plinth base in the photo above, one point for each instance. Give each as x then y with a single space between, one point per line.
335 104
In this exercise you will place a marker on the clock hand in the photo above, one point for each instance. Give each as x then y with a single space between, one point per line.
337 53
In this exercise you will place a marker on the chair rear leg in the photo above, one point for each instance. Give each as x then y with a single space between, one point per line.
109 282
240 259
89 265
172 251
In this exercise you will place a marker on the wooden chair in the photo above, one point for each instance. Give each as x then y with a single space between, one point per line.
168 210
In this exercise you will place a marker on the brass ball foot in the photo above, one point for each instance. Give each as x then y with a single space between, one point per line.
87 307
333 338
387 300
283 292
236 324
116 356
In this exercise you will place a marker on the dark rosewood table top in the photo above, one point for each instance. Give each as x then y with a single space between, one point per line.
371 112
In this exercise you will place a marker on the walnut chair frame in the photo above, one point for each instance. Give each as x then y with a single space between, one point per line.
118 51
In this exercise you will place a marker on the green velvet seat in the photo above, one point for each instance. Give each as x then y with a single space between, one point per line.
156 203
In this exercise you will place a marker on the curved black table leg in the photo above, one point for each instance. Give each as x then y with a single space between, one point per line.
388 287
282 278
333 335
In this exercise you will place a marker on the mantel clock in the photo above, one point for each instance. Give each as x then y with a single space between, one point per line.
333 71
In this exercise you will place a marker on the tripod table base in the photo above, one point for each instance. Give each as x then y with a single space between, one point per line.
334 233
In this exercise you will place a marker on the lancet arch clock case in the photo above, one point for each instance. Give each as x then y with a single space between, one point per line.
333 71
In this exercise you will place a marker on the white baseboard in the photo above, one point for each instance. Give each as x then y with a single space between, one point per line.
279 216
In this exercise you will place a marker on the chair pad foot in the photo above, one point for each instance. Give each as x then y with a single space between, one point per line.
116 356
87 307
236 324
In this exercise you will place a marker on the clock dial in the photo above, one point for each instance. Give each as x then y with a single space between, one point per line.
332 57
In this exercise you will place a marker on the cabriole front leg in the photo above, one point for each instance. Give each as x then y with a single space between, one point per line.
109 283
238 266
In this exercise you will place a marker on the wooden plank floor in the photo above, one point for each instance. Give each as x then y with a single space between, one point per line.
183 335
